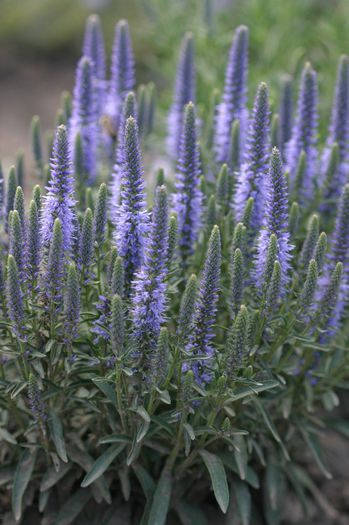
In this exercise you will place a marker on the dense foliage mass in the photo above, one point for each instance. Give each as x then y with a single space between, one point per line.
163 351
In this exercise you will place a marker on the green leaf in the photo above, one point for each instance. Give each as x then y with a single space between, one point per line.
72 507
107 388
339 425
270 425
56 429
22 477
243 500
142 430
190 431
102 463
230 463
52 476
146 481
190 514
273 492
114 438
6 436
161 500
240 393
85 461
218 476
241 456
313 445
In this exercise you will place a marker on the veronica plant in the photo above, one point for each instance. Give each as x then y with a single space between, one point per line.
169 353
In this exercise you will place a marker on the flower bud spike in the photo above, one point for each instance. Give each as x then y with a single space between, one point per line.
17 240
172 239
293 220
237 280
274 289
118 277
15 298
20 169
37 197
311 239
71 305
86 242
117 325
187 309
33 242
307 295
320 250
236 343
274 131
100 215
10 193
36 146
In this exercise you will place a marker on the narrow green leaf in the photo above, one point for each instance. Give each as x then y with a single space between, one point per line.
6 436
243 500
161 501
218 476
22 477
241 456
72 507
252 390
56 429
107 388
190 514
190 431
85 461
146 481
313 445
52 476
102 463
273 493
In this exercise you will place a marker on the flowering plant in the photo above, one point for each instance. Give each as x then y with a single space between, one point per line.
163 351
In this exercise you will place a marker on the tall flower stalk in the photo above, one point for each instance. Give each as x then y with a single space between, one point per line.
59 202
304 134
133 220
122 78
149 286
84 118
275 222
233 104
252 177
188 199
205 312
184 93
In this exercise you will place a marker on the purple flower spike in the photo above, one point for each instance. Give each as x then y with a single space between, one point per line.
93 48
304 133
59 201
149 285
251 179
205 311
275 222
188 198
122 70
85 118
339 253
129 110
133 221
285 112
338 133
233 104
183 94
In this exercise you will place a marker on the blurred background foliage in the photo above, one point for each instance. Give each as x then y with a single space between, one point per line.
284 33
